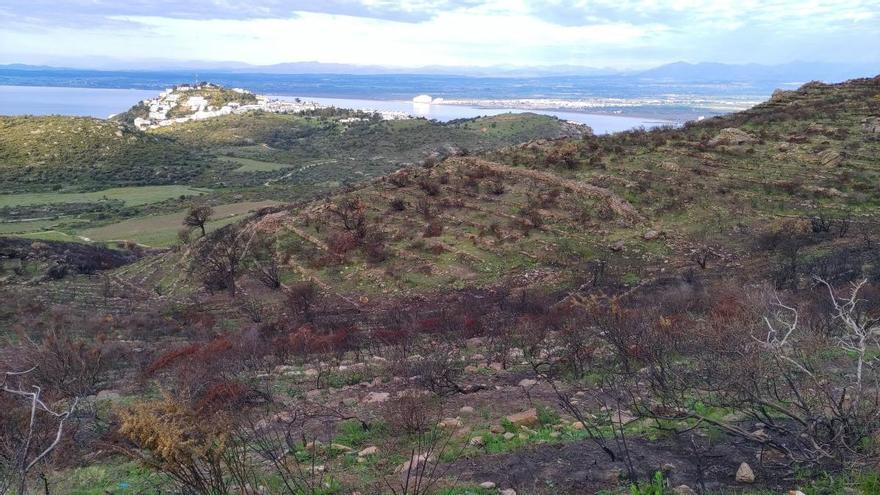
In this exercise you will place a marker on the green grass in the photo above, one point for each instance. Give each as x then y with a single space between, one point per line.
161 230
131 196
110 477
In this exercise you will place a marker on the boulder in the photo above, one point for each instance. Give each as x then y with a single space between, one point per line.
527 383
525 418
871 125
651 235
476 442
732 136
466 410
507 491
368 451
830 158
487 485
745 474
450 423
683 490
376 397
509 436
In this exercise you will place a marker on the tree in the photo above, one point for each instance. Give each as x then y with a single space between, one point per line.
218 259
29 434
197 216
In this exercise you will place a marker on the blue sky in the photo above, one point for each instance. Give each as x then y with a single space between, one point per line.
412 33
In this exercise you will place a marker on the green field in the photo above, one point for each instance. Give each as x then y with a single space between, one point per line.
249 165
161 230
131 196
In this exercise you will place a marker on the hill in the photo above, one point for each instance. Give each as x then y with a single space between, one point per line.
42 152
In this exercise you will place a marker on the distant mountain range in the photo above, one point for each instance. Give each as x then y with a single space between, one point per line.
677 71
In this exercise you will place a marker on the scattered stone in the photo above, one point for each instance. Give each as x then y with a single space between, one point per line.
488 485
745 474
496 429
466 410
507 491
313 445
313 394
478 357
340 447
527 383
509 436
830 158
683 490
555 434
651 235
732 136
476 442
612 475
525 418
795 492
577 425
668 468
108 395
413 463
496 366
368 451
311 372
376 397
349 401
450 423
618 246
871 125
471 369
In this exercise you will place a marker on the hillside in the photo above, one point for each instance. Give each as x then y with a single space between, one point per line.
734 191
676 311
42 152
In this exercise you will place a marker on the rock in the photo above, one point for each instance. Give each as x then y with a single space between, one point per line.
612 475
732 136
760 434
555 434
618 246
476 442
577 425
745 474
527 383
525 418
313 394
830 158
496 366
471 369
450 423
368 451
340 447
683 490
311 372
349 401
670 166
507 491
871 125
795 492
376 397
651 235
466 410
413 463
668 468
496 429
478 357
509 436
108 395
488 485
313 445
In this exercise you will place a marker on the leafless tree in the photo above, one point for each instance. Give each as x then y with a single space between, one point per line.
37 437
218 259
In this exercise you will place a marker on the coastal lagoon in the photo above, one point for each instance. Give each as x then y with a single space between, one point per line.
102 102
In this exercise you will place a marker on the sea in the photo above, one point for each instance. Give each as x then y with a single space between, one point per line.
605 104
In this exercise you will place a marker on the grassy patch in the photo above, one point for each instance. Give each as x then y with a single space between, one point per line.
131 196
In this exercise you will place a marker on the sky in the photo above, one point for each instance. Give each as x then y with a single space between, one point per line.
619 34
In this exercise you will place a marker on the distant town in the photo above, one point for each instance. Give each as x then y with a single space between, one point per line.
206 100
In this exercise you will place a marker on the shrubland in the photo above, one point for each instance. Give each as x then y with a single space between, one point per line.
689 310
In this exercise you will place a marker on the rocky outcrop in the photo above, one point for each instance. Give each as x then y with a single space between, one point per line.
732 136
871 125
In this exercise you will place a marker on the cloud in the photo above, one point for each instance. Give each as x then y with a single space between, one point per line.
619 33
